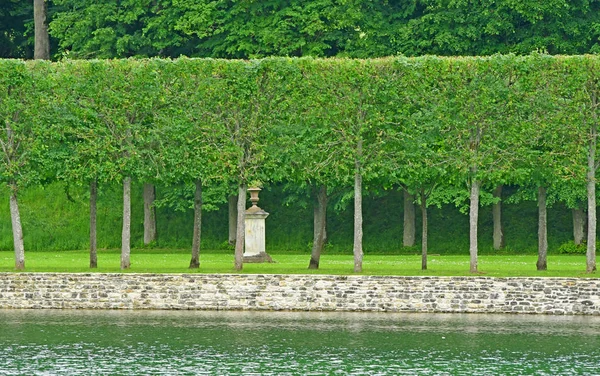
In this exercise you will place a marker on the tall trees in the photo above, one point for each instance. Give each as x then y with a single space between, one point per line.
244 107
479 100
575 84
110 94
81 156
413 142
192 140
305 151
20 142
353 118
422 124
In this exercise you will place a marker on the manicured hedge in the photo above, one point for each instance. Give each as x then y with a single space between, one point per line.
447 129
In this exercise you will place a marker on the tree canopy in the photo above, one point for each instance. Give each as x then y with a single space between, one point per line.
321 28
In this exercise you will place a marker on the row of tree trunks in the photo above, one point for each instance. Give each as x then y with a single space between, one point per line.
320 215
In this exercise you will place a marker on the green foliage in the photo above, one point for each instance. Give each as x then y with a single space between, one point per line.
320 28
423 123
570 248
14 15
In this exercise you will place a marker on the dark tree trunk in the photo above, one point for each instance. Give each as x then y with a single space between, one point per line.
542 263
93 219
320 226
241 228
408 237
149 214
579 224
41 48
195 262
497 218
126 234
424 231
473 220
232 218
358 219
17 230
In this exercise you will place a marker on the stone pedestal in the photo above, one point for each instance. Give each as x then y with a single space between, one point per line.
254 247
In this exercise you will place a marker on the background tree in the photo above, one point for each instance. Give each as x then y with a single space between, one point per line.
459 28
13 18
42 39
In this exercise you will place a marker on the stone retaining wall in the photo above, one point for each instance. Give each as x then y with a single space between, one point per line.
300 292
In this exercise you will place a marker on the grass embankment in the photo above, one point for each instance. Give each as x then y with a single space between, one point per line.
162 261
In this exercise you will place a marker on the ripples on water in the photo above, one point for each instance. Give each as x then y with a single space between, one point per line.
283 343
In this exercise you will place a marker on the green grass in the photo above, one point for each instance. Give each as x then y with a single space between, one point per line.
176 261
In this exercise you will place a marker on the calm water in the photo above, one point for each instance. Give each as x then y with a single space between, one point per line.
279 343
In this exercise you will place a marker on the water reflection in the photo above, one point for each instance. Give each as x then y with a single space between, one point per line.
290 343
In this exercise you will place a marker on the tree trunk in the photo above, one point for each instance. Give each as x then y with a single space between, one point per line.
579 223
408 237
423 231
15 217
93 219
232 218
195 262
149 214
358 231
591 197
41 48
241 228
320 226
473 219
497 218
126 234
542 263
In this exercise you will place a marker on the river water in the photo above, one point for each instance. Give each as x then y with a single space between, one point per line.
285 343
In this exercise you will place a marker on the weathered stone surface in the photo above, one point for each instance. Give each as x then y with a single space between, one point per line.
257 258
255 232
300 292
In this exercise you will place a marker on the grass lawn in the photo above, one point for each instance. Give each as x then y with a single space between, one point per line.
176 261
